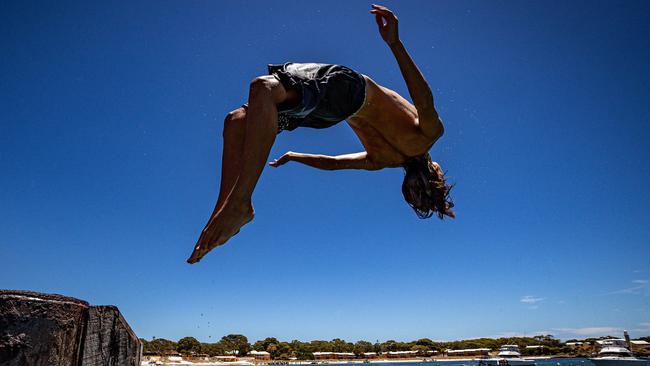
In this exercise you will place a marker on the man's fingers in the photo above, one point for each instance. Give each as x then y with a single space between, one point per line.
276 163
379 20
388 18
383 11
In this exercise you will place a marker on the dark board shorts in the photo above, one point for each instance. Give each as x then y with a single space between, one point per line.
328 94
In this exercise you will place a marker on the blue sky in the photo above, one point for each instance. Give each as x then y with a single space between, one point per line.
110 123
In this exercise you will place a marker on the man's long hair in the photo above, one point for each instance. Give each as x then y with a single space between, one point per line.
425 189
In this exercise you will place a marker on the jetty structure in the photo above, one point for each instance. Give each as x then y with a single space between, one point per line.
54 330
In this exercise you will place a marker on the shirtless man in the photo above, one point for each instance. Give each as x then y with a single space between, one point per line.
394 133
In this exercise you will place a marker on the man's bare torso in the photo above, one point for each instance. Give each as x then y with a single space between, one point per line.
390 128
387 125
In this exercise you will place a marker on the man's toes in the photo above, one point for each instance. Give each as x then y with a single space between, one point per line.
194 258
197 253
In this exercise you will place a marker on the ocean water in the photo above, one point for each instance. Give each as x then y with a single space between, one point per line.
541 362
564 362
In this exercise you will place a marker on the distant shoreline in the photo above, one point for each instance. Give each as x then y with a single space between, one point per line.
392 360
336 362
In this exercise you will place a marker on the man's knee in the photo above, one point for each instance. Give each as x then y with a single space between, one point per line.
234 119
267 86
235 115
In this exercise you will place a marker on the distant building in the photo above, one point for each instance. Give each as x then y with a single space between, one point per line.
370 355
197 357
323 355
344 355
402 354
260 355
178 358
535 350
574 344
333 355
468 352
229 358
640 346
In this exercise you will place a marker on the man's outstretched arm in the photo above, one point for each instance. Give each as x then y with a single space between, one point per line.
358 160
417 85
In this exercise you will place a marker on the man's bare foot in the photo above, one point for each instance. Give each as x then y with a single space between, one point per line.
221 227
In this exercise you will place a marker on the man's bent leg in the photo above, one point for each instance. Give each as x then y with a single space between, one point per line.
234 132
261 129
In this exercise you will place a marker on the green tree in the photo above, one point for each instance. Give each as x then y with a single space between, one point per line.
188 345
339 345
282 351
236 343
160 346
145 345
426 342
266 345
362 347
391 346
213 349
422 350
302 351
321 346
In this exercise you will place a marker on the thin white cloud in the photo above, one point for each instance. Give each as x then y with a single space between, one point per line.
513 334
507 335
643 327
640 287
529 299
589 331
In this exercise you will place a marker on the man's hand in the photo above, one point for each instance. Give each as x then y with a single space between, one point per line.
387 23
358 160
282 159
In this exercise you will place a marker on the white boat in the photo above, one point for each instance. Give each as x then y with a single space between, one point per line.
615 352
508 356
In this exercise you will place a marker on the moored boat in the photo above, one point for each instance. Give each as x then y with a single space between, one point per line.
616 352
508 355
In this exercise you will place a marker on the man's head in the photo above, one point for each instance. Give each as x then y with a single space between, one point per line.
425 188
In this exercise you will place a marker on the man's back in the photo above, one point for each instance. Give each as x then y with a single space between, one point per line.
388 126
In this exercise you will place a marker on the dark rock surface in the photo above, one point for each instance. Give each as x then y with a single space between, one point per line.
43 329
109 339
40 329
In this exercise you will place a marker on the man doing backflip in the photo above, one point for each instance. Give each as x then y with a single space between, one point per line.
394 133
